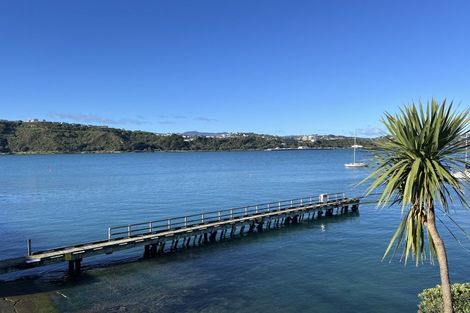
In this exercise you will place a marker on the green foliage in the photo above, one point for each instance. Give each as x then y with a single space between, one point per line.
431 299
414 165
48 137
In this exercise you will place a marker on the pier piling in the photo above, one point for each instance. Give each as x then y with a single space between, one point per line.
201 228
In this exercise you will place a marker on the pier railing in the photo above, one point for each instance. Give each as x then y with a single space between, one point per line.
175 223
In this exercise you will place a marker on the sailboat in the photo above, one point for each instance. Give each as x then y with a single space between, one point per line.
355 164
465 174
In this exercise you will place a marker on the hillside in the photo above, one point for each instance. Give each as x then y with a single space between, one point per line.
53 137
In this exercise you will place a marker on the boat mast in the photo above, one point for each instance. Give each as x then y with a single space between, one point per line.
354 153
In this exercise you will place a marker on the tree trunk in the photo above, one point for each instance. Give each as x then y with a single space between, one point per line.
442 259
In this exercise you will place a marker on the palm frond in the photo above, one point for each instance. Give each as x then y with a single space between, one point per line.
415 161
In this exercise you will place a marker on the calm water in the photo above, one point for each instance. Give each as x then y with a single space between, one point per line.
329 266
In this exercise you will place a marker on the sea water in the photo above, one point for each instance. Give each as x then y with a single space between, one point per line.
331 265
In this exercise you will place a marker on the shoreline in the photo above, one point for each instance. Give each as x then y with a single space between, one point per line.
172 151
40 302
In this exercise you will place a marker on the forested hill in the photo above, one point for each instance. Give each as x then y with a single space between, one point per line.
53 137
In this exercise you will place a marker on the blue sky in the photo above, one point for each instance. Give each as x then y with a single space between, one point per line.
278 67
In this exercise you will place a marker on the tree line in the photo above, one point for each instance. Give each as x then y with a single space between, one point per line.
53 137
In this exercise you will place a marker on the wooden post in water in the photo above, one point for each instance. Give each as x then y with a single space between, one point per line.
30 252
213 236
287 220
71 267
152 250
74 267
162 247
78 267
260 226
295 219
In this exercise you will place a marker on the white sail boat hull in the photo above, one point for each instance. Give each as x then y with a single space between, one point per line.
355 164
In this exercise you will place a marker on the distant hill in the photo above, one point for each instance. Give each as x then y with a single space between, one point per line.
54 137
202 134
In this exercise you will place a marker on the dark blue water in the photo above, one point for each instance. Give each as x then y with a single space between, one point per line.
333 265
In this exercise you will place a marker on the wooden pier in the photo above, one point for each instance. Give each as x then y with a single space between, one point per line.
160 236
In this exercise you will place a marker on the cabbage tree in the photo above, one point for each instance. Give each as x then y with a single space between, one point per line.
415 162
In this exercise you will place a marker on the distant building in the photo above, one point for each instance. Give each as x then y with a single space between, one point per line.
311 138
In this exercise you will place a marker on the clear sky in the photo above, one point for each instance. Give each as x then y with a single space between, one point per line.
278 67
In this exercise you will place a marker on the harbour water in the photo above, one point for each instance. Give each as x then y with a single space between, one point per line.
331 265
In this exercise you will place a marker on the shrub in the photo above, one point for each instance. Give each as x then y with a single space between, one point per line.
431 299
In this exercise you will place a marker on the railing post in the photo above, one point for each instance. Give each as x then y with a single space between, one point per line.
256 209
202 218
291 203
231 213
128 230
185 221
169 224
269 207
301 202
150 227
279 205
29 247
219 217
109 233
246 211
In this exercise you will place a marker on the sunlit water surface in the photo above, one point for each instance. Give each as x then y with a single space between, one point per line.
332 265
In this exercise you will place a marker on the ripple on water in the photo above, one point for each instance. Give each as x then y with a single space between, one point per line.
333 265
